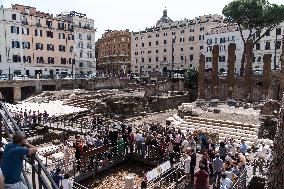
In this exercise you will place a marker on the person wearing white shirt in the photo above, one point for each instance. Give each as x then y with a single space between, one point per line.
184 146
138 143
187 161
66 182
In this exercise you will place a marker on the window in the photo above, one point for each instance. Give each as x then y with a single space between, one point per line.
39 46
40 60
222 40
150 44
191 57
209 41
61 26
165 42
14 17
181 49
81 54
142 59
257 46
157 51
173 33
165 34
157 42
50 47
38 32
208 59
50 60
157 35
89 37
142 44
165 59
62 48
70 37
191 30
182 32
267 45
16 58
278 44
149 52
14 29
191 38
89 55
202 28
191 48
61 35
259 59
89 46
27 59
278 31
165 50
25 31
71 49
49 34
209 49
157 59
149 36
26 45
63 60
80 36
16 44
150 59
222 58
267 33
181 58
48 23
201 47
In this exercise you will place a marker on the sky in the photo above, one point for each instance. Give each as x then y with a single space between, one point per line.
128 14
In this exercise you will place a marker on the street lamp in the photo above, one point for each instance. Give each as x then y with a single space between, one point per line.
172 67
275 51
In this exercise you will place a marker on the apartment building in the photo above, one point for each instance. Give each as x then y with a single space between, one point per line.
170 45
114 52
84 41
36 43
225 34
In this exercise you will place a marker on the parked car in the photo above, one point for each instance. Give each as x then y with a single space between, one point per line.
3 77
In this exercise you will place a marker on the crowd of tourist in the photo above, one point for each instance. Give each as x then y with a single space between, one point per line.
30 118
223 163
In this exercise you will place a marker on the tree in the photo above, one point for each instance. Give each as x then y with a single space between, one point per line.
257 16
191 79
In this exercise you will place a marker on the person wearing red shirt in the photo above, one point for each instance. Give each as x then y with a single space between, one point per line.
201 178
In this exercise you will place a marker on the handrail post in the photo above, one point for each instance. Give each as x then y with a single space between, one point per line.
39 177
33 172
1 128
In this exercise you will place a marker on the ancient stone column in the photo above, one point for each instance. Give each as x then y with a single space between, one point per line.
17 94
231 69
275 173
266 74
215 77
248 70
201 77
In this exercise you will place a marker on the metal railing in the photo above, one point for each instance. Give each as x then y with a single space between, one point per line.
40 176
241 182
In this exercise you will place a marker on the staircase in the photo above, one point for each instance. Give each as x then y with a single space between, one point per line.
40 177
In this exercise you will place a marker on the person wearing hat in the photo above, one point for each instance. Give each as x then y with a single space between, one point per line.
12 162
